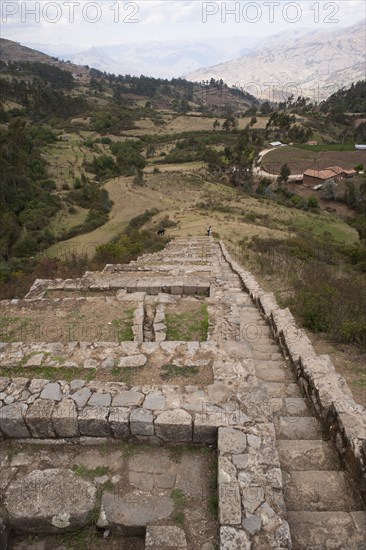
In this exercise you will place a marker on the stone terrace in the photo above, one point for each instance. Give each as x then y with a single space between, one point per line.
290 440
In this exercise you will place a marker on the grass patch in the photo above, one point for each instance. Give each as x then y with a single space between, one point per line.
123 327
12 328
327 147
80 539
173 371
191 325
176 453
82 471
180 502
49 373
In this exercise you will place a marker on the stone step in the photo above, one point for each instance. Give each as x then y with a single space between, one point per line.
298 427
264 346
308 454
290 406
320 491
328 530
273 371
266 356
280 389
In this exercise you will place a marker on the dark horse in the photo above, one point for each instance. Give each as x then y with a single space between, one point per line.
161 232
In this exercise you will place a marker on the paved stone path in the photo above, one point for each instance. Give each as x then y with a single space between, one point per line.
281 481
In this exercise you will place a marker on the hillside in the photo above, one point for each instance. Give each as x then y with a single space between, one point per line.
312 64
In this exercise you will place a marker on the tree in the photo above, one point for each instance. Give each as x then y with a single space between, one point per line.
359 167
216 124
285 173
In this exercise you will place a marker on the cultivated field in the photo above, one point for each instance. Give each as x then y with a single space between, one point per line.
300 160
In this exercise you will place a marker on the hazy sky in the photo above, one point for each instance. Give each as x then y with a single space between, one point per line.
88 23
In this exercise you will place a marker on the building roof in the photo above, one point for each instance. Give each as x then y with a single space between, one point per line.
336 169
320 174
276 143
360 146
350 172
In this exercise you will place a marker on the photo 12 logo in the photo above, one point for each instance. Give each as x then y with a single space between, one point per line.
69 11
269 12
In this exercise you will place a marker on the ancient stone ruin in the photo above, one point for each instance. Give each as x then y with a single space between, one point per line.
170 403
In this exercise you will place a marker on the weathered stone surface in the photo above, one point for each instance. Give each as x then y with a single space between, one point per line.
100 399
128 398
229 503
52 391
93 421
49 501
335 530
38 419
81 397
164 537
231 441
234 539
174 425
141 422
252 524
64 419
132 361
119 420
12 420
154 401
35 360
130 515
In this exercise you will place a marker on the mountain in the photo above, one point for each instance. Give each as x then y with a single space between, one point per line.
158 59
13 51
302 62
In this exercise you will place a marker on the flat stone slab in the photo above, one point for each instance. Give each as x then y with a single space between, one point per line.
52 391
333 530
234 539
49 501
320 491
141 422
131 514
298 427
127 399
164 537
132 361
308 455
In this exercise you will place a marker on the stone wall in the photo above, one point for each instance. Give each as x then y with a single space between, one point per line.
327 391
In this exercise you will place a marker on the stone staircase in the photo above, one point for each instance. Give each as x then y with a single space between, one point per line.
290 440
323 502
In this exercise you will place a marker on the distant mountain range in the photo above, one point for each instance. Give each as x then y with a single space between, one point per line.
158 59
313 63
309 63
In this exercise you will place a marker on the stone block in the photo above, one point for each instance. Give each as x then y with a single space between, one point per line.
93 421
189 289
234 539
229 503
12 420
100 399
177 288
132 361
49 501
205 427
174 425
52 391
38 419
65 420
154 401
141 422
81 397
164 537
128 399
130 516
119 420
231 441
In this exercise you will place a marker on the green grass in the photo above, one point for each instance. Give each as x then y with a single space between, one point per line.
12 329
50 373
335 230
123 326
327 147
191 325
172 371
82 471
180 502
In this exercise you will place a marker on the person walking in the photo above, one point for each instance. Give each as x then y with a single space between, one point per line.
209 231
